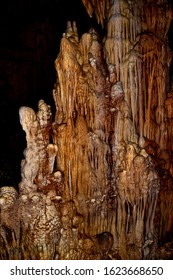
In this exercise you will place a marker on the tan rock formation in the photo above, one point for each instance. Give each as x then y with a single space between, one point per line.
97 182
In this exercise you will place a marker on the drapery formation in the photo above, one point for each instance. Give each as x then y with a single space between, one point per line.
97 179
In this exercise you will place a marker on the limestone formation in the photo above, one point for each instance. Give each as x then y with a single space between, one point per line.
97 179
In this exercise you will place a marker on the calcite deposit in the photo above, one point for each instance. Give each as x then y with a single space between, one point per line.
97 178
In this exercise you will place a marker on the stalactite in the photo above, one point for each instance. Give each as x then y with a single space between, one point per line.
99 7
92 184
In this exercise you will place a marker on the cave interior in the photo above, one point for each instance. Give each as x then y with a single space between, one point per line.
33 67
30 41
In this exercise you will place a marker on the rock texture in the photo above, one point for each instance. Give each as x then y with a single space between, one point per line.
97 180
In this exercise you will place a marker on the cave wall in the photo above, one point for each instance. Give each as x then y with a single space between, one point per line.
97 178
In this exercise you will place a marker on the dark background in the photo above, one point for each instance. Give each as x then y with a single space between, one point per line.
30 34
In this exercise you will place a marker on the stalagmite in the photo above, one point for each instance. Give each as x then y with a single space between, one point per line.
97 179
